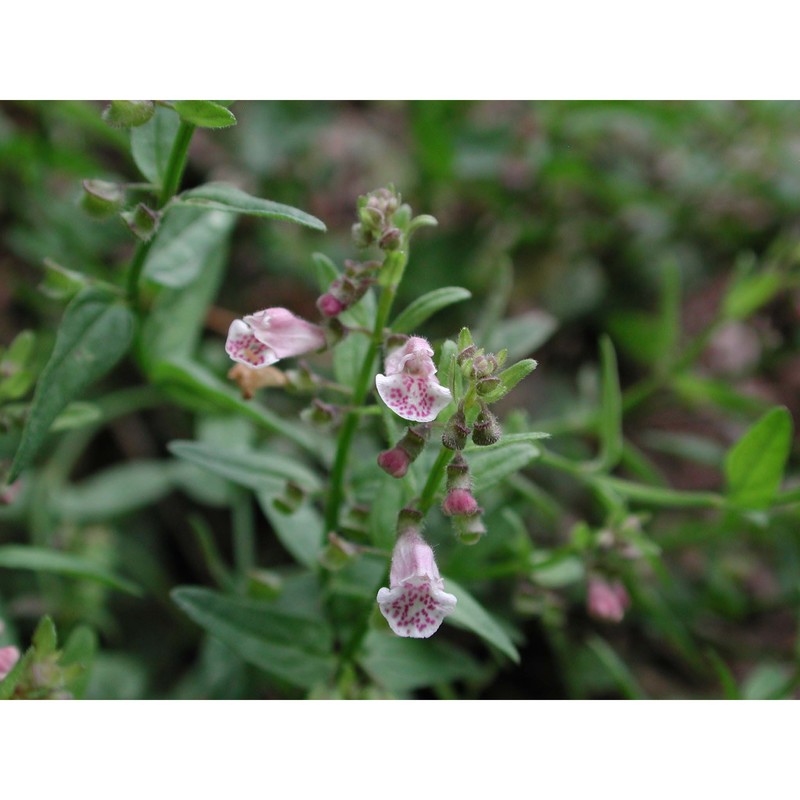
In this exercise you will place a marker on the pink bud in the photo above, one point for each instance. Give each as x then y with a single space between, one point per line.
329 306
459 502
394 462
607 601
8 658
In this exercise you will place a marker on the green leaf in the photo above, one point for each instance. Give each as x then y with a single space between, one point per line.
658 495
510 377
45 638
754 465
470 614
79 651
194 386
293 648
117 490
176 319
521 335
43 560
301 533
402 665
223 197
748 292
617 669
768 681
151 144
255 470
489 465
426 306
76 415
185 241
204 113
610 407
94 335
325 271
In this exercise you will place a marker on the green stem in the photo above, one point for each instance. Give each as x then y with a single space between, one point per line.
244 548
172 182
363 383
428 496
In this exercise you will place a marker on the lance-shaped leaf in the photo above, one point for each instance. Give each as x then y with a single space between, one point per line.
754 465
151 144
426 306
204 113
223 197
94 335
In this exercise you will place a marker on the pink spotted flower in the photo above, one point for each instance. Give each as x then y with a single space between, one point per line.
267 336
416 604
410 386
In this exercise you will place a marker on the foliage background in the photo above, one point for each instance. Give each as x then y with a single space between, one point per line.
573 213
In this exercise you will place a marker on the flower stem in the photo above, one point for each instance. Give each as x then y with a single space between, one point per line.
363 382
172 181
435 476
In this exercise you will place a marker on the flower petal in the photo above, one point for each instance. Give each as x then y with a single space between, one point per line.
8 658
415 608
242 346
415 356
412 397
284 333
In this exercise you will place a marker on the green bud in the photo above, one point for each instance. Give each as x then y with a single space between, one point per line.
469 528
339 553
487 385
291 499
101 198
413 442
143 222
486 430
458 473
456 431
128 113
362 237
391 240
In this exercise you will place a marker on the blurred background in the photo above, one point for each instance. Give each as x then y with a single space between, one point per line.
566 220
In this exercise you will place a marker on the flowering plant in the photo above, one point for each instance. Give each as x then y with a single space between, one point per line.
233 466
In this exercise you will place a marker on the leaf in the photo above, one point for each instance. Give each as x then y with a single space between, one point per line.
293 648
325 271
94 335
185 240
749 292
117 490
754 465
301 533
255 470
76 415
768 681
195 386
470 614
80 650
151 144
175 322
223 197
489 465
617 669
610 407
204 113
510 377
521 335
402 665
43 560
426 306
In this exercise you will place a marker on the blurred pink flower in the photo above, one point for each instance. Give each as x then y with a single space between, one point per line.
607 601
416 604
267 336
410 386
8 657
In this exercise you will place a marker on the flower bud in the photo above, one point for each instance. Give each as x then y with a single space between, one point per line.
362 237
249 380
483 364
391 239
409 520
128 113
101 198
319 413
606 601
458 473
456 430
459 502
486 430
291 499
469 528
394 462
487 385
338 553
467 353
142 221
329 306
